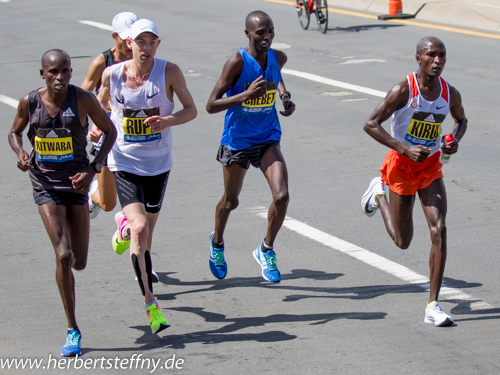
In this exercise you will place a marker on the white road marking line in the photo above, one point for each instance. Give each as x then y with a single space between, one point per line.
335 93
360 61
485 5
374 260
9 101
281 46
353 100
97 24
332 82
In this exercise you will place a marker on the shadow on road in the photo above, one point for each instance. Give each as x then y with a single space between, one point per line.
228 332
357 29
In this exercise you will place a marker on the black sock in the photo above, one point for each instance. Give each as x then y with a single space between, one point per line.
137 269
149 267
265 247
217 245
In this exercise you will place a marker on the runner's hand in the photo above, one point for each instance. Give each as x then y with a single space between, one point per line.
256 89
417 153
157 123
449 148
22 161
95 134
82 180
288 105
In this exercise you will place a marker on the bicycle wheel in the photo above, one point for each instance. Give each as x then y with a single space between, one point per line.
322 16
302 8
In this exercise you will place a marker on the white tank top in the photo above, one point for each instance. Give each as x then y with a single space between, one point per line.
137 150
419 122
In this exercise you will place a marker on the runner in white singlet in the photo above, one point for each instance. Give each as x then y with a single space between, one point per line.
142 91
418 106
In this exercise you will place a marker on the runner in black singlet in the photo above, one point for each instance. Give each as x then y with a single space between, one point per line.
60 171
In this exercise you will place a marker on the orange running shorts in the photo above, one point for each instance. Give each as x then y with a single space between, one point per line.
406 177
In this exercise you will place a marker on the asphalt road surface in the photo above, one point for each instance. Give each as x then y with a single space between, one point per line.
350 301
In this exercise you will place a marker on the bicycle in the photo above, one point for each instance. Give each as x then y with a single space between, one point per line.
306 7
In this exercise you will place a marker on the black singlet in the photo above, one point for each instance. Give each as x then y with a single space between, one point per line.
108 60
56 159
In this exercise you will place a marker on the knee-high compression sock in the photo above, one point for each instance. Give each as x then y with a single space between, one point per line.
137 269
149 267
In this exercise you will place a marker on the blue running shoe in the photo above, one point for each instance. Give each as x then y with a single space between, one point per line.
72 346
267 261
218 265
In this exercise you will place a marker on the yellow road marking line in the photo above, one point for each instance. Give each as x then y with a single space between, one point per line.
406 22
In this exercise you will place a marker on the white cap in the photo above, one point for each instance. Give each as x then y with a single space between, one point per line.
122 23
142 26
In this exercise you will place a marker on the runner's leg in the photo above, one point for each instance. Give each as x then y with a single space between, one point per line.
56 219
139 234
152 218
398 217
274 168
434 203
105 196
233 183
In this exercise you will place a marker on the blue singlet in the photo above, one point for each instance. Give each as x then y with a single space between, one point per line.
253 121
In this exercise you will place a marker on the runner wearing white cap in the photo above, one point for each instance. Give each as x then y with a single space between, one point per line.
102 193
142 93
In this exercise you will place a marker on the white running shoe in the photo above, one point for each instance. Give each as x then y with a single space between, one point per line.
434 314
369 204
94 209
155 277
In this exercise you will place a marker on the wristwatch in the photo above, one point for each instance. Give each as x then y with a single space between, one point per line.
96 167
285 93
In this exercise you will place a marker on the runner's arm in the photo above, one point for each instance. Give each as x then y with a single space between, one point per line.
90 83
16 134
288 105
174 79
101 119
458 114
395 99
89 105
230 73
94 73
103 98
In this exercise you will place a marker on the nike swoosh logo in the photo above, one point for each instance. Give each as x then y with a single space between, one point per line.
120 101
440 107
149 97
149 205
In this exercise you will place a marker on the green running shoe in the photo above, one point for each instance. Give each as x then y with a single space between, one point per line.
120 245
156 319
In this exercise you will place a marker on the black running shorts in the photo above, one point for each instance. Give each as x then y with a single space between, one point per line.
148 190
252 155
59 198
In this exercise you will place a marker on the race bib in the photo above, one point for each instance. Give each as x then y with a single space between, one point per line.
134 128
54 145
424 128
263 104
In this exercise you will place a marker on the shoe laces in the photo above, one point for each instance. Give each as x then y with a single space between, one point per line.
271 261
218 258
155 314
438 309
119 239
73 339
